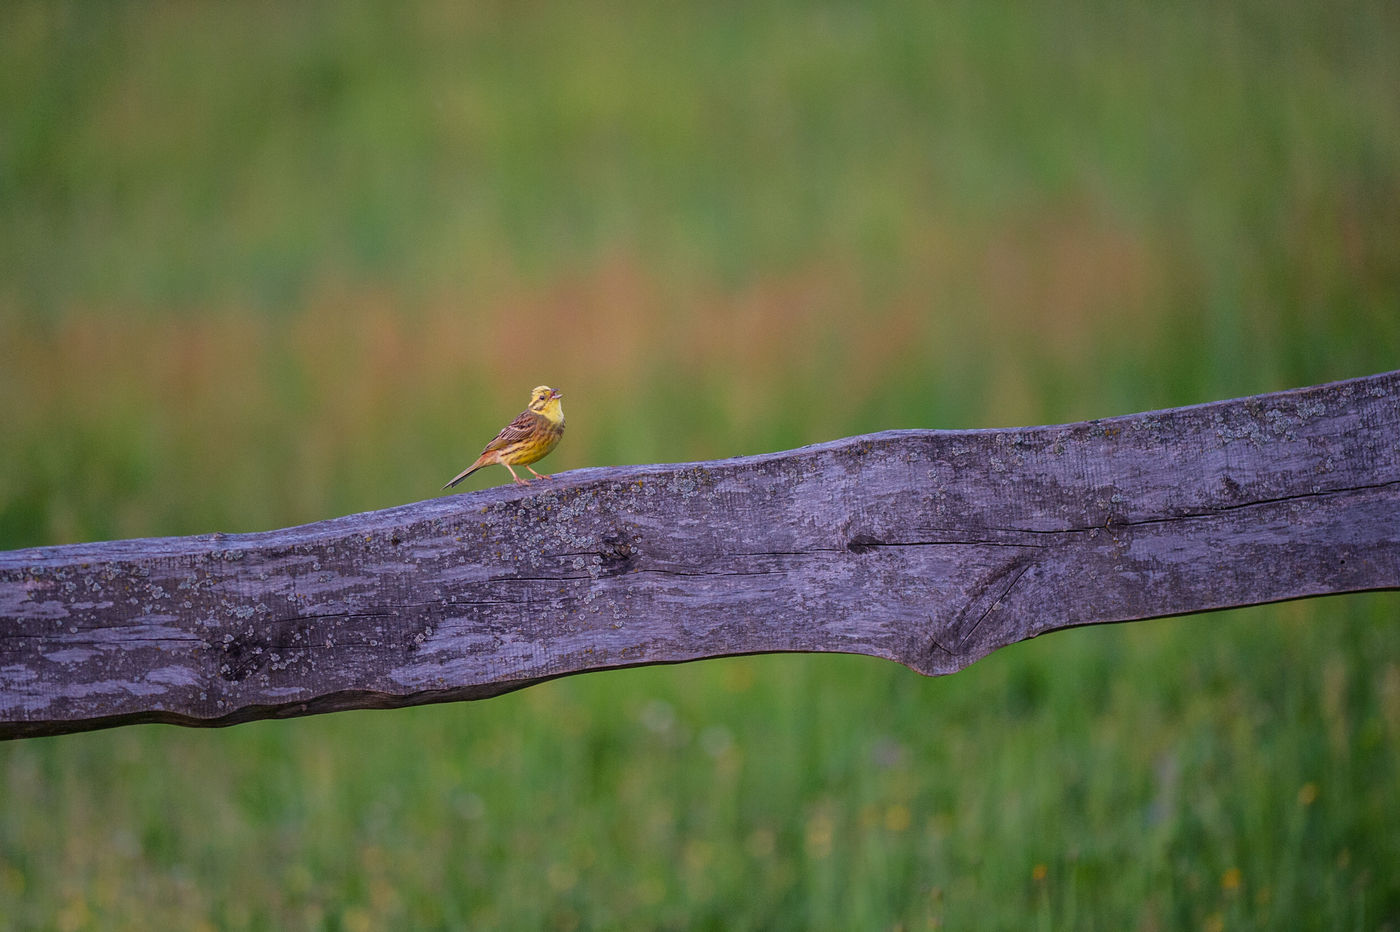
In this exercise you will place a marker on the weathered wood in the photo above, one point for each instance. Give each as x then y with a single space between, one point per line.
930 548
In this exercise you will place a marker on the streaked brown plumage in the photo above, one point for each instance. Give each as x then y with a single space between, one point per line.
527 439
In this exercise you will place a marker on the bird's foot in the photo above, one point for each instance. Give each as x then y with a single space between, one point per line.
520 481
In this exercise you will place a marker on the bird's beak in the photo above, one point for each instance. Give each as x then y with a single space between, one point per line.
556 393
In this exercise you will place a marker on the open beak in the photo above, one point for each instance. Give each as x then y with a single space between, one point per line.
555 393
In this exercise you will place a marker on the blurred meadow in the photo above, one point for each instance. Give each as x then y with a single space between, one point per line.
263 264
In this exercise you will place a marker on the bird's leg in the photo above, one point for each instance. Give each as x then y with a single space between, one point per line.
537 475
518 480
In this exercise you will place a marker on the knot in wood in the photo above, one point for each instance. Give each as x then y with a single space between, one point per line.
616 551
863 543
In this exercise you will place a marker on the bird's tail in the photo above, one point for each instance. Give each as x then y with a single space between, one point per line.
465 473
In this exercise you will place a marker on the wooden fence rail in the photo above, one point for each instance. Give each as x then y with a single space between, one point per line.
930 548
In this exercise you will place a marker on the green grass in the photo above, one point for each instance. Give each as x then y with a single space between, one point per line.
1092 779
261 265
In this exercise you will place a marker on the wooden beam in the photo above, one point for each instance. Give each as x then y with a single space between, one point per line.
929 548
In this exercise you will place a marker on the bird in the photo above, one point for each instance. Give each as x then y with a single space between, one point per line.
527 439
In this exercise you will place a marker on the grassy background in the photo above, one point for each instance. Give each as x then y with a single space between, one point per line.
265 264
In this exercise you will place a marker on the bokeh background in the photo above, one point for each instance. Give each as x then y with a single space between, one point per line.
265 263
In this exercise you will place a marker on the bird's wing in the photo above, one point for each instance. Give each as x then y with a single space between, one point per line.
525 426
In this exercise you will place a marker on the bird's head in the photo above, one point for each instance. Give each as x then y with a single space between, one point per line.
545 400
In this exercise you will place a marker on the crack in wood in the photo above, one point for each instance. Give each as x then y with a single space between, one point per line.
996 604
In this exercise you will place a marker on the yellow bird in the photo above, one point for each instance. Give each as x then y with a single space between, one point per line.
527 439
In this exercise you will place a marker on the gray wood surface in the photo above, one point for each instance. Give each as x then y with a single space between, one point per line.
930 548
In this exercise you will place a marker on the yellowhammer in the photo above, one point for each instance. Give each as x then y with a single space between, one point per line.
527 439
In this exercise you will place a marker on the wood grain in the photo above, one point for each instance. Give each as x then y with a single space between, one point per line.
929 548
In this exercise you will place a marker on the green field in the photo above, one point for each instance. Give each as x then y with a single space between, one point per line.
263 264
